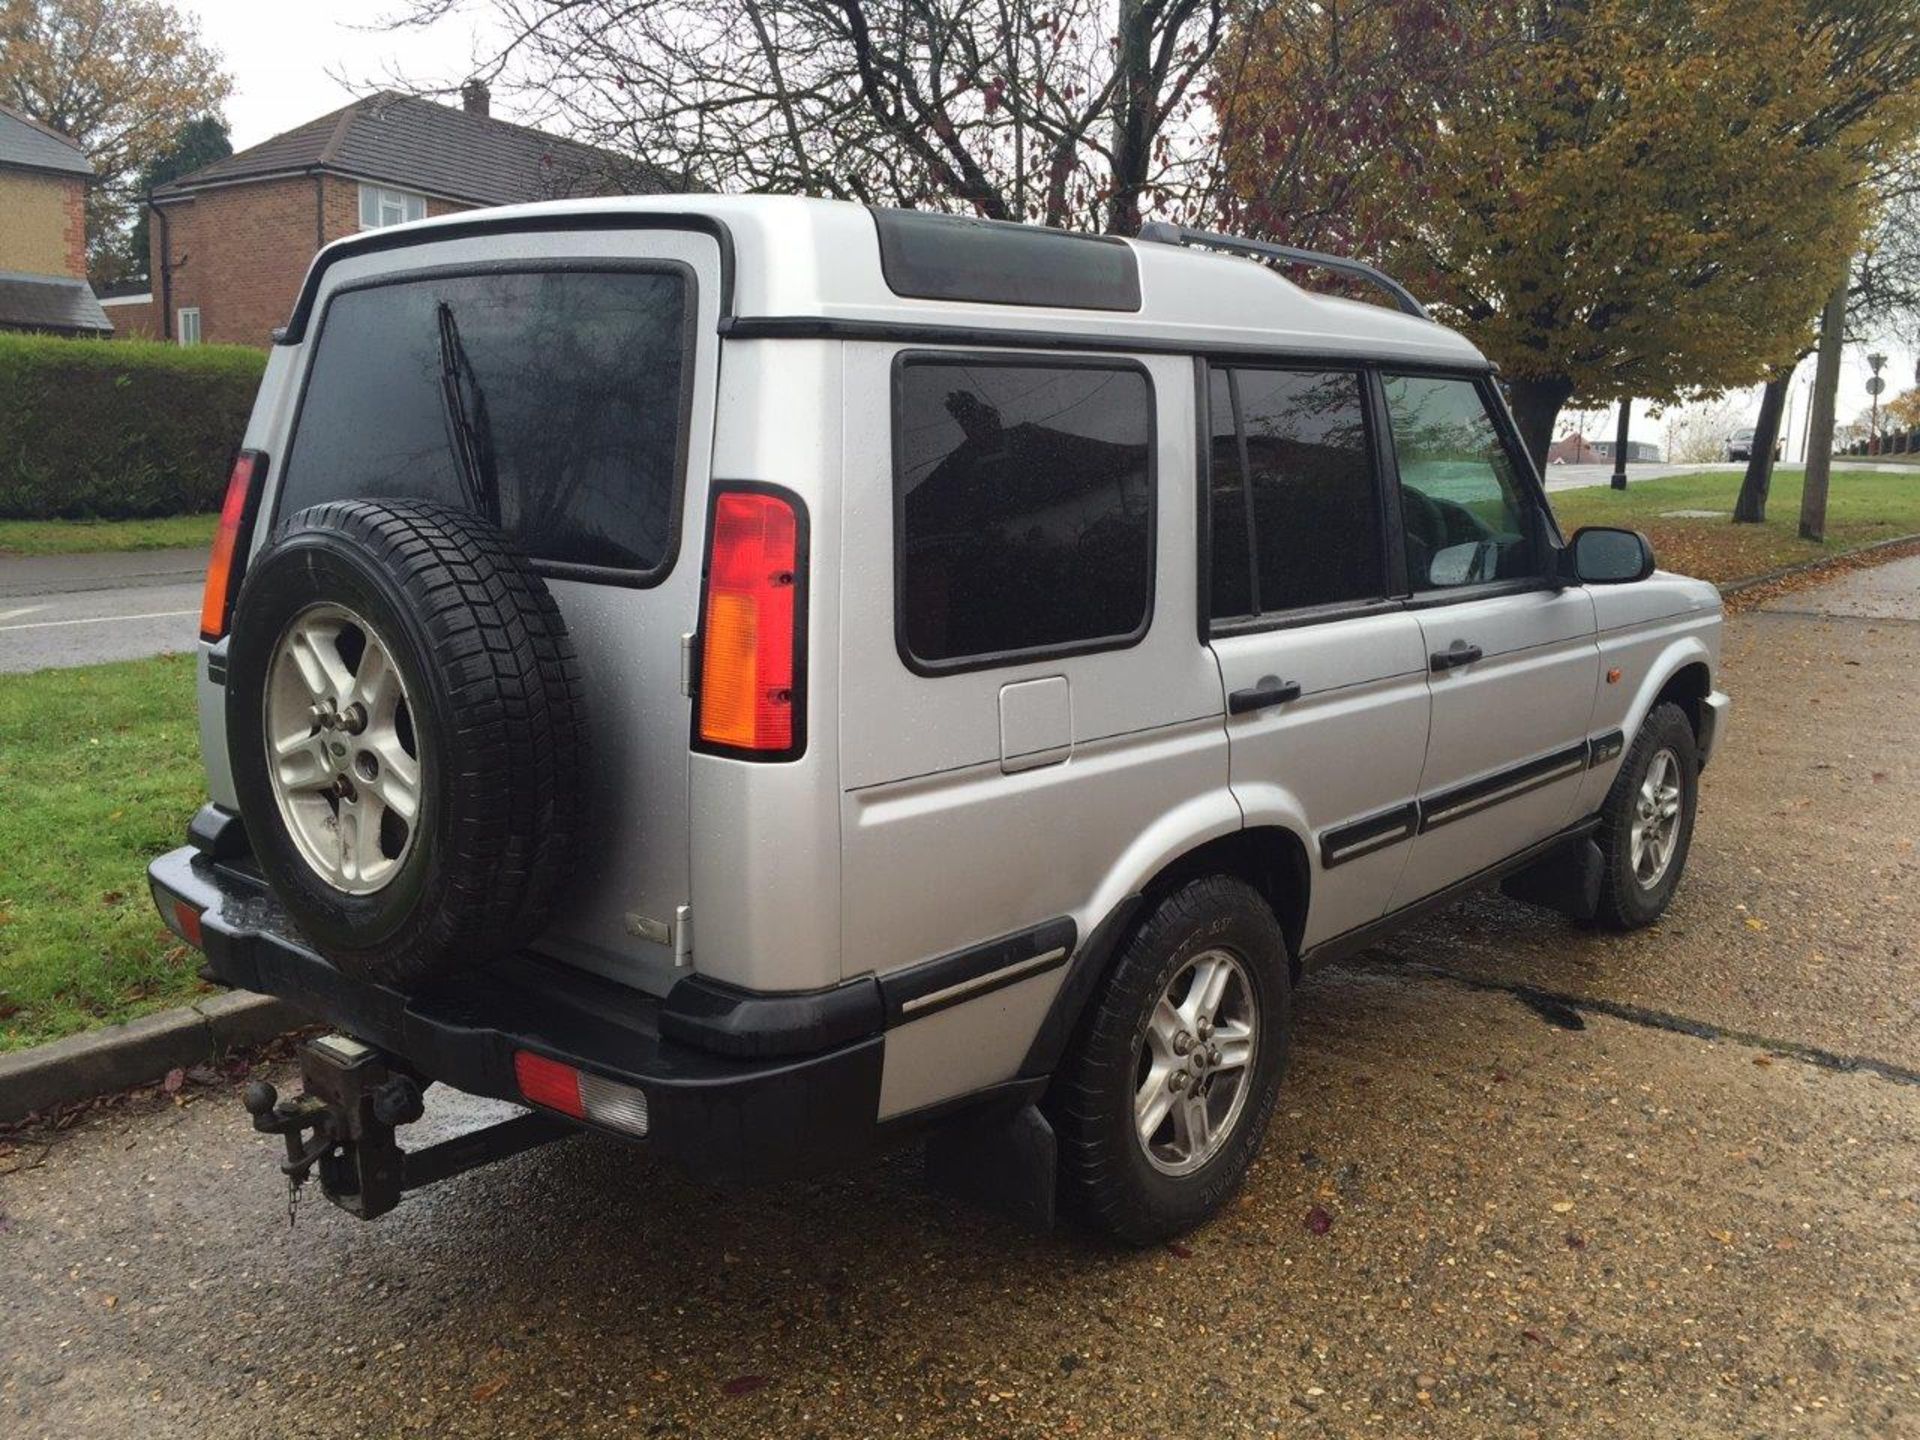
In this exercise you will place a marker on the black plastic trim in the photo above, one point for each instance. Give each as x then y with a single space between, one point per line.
1447 806
690 351
1084 972
1602 748
1352 942
728 1020
1368 834
374 242
960 665
935 985
218 833
1301 618
802 584
926 255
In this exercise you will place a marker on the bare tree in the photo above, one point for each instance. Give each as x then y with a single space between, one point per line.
1076 113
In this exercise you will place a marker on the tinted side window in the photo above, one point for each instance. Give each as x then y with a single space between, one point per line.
1230 566
1025 506
550 402
1466 516
1307 478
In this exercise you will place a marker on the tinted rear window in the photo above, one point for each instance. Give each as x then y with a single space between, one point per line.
553 402
1025 500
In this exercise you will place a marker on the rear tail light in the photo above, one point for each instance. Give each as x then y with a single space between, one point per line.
752 616
557 1086
228 560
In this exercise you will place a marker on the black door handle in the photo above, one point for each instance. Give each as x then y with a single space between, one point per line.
1457 654
1258 697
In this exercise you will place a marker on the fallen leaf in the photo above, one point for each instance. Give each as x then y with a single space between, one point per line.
1561 1207
1753 924
176 1077
110 1301
487 1389
1575 1240
1319 1221
746 1384
1179 1251
1763 1060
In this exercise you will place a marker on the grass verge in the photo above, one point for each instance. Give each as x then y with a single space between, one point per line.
101 770
1862 507
82 537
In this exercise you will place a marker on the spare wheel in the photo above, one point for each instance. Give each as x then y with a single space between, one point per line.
407 735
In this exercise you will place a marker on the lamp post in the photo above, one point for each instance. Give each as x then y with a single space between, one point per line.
1874 387
1619 481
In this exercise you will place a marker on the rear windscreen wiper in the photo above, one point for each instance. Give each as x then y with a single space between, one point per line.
472 435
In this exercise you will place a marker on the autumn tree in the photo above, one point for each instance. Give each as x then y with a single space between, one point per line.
121 77
1077 113
1606 194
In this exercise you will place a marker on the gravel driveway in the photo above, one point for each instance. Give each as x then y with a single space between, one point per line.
1479 1212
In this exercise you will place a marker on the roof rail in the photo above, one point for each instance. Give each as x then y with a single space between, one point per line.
1163 233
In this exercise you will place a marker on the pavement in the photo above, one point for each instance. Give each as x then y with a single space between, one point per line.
60 610
1525 1180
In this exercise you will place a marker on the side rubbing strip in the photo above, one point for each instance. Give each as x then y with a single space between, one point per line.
928 988
1363 837
1603 748
1478 795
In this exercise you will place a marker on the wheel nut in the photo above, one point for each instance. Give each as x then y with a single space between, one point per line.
1177 1081
1182 1043
354 718
1204 1029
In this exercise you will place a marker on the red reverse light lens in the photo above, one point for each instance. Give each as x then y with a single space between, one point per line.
216 601
747 650
549 1083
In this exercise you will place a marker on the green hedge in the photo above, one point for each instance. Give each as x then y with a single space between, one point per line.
119 429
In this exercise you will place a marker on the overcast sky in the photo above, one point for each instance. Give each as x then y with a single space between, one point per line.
285 57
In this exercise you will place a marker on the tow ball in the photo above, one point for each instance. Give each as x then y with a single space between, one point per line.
342 1128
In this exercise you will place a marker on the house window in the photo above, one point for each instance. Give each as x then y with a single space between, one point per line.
381 207
188 328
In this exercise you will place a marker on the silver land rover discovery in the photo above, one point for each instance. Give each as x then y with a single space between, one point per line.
766 678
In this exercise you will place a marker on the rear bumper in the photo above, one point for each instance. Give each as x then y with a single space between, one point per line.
723 1117
1713 717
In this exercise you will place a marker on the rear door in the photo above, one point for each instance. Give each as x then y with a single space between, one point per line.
1512 659
585 365
1325 675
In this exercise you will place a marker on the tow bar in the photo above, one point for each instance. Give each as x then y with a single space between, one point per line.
342 1125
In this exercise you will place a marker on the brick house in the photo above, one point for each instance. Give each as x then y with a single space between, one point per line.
231 242
43 231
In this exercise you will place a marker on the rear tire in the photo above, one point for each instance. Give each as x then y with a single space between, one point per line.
1646 825
1150 1041
433 660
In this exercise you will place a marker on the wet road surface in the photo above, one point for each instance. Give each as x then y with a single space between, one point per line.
61 610
1468 1219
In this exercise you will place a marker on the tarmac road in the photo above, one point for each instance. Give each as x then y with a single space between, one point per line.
1469 1219
61 610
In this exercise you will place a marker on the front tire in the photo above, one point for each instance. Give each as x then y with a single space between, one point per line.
1646 825
1167 1090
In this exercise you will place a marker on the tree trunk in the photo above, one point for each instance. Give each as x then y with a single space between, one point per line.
1621 439
1751 507
1537 402
1132 109
1826 383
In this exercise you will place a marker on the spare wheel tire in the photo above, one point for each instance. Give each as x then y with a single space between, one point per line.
407 735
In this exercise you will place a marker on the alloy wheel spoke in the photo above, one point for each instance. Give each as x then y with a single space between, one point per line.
1151 1103
1235 1043
299 768
315 654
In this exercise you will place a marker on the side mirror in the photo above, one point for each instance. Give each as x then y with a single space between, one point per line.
1603 555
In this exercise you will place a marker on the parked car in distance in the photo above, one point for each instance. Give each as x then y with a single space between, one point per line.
767 678
1740 446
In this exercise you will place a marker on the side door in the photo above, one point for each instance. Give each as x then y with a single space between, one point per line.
1324 672
1512 659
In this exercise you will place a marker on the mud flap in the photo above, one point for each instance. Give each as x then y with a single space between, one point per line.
1001 1161
1566 879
